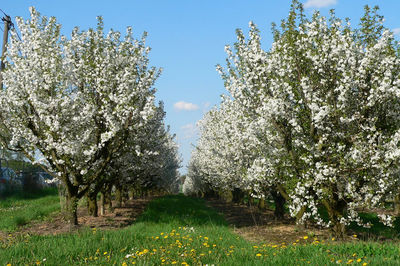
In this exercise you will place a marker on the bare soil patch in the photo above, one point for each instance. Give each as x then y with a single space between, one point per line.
261 226
121 217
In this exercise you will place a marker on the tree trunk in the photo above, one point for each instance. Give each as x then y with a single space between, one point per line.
131 194
279 201
102 204
92 204
71 209
118 196
71 206
237 195
261 204
108 199
397 205
336 208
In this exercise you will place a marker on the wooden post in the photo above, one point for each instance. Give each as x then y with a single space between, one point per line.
7 24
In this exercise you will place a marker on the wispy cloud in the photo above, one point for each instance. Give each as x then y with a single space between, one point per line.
396 31
206 106
189 131
185 106
319 3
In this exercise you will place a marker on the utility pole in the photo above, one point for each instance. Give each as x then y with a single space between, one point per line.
7 25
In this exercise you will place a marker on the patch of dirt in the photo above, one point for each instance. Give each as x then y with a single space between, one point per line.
261 226
121 217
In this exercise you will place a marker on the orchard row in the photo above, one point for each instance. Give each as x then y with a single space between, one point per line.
84 108
314 122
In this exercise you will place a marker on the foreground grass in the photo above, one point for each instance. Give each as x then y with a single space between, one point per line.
180 230
20 208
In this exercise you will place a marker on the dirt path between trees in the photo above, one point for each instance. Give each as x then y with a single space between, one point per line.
261 226
121 217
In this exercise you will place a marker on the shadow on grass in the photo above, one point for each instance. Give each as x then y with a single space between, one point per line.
182 210
377 231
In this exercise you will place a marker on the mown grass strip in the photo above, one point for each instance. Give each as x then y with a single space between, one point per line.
20 208
177 230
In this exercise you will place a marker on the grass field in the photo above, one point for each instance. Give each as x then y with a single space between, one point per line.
20 208
180 230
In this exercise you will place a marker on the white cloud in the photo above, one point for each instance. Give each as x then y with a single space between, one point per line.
185 106
396 31
319 3
189 131
206 106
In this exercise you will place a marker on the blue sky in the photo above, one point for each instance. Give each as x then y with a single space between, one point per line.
187 38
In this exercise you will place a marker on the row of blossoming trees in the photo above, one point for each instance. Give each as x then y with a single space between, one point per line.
84 107
313 122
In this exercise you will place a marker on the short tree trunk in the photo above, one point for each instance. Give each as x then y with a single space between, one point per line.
118 196
108 199
237 195
339 230
131 194
336 210
102 204
397 205
92 204
279 201
261 204
72 209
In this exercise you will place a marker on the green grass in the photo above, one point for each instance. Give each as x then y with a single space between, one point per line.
178 230
19 208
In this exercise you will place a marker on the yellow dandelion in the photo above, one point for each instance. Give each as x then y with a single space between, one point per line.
305 237
333 239
184 263
354 255
105 253
174 262
258 255
206 238
349 261
364 264
359 260
124 264
355 236
8 264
